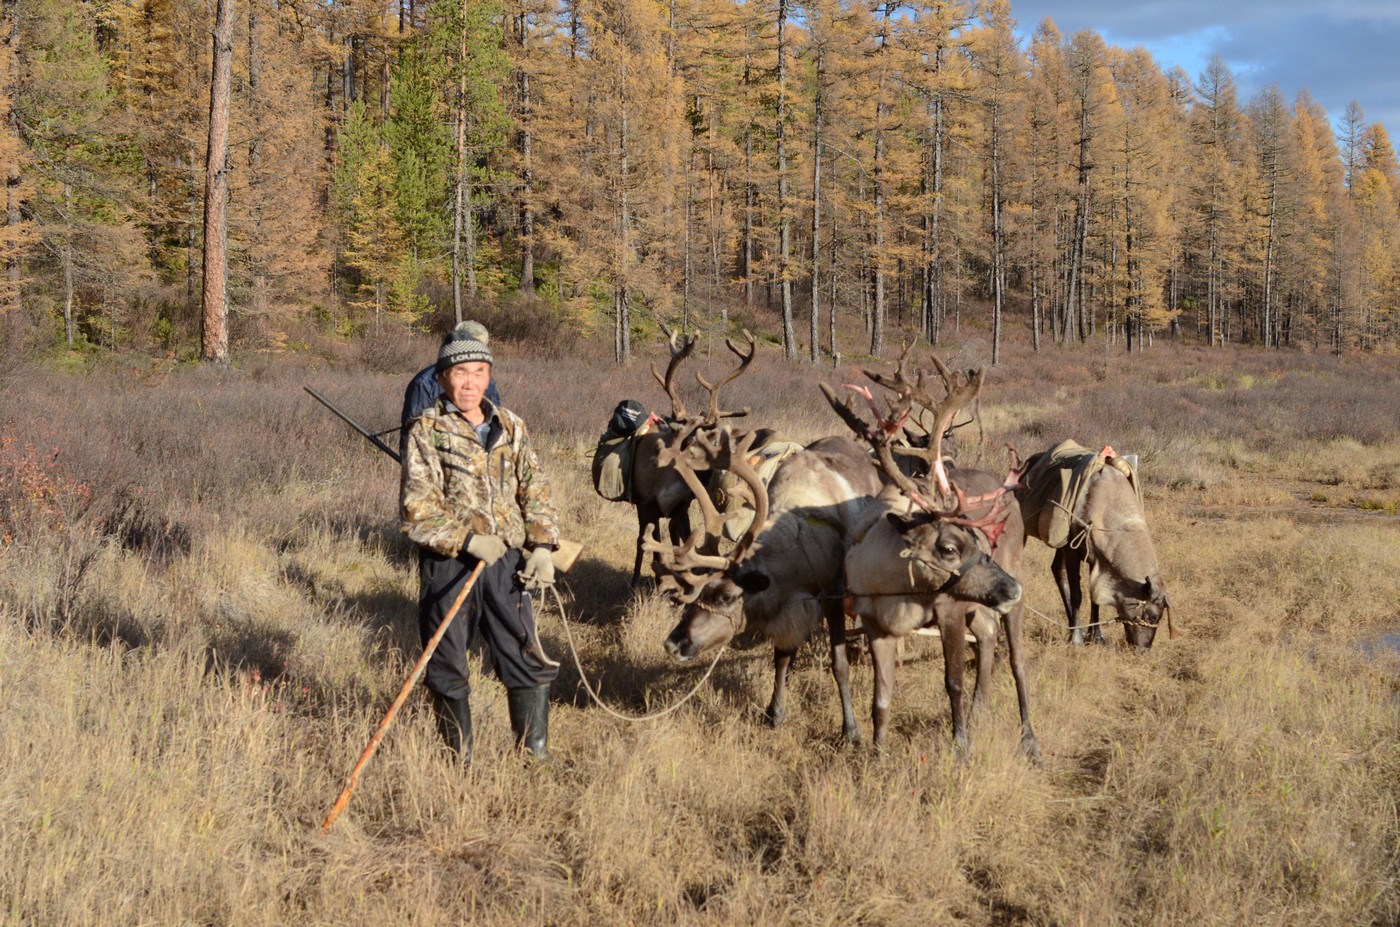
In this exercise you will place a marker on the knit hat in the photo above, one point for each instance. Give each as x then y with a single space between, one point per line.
468 341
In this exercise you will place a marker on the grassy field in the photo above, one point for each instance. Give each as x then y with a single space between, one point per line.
205 607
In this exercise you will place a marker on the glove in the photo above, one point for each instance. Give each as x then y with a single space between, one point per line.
486 547
539 569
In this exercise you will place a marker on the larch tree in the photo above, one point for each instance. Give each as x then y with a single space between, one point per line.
630 135
1050 199
276 219
883 82
1269 201
1001 70
530 28
1216 134
939 80
830 90
1090 89
784 204
1374 193
473 34
86 187
708 62
1146 142
1308 270
19 234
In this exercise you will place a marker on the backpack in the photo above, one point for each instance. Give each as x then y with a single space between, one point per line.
612 458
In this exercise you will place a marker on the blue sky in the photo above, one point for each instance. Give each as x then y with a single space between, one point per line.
1339 50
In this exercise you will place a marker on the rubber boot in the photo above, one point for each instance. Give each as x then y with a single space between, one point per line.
529 719
454 717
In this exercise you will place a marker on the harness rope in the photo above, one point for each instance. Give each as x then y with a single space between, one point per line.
597 700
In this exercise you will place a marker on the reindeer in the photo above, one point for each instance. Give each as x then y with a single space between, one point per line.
1087 506
952 565
783 577
657 489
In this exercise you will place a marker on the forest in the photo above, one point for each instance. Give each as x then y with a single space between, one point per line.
615 164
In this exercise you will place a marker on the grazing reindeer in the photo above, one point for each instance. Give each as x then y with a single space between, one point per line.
1088 507
784 575
952 565
657 488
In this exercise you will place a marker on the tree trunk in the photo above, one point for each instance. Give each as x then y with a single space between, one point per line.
527 180
784 219
65 254
255 179
214 346
817 116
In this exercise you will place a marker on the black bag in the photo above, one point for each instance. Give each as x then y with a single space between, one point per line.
627 418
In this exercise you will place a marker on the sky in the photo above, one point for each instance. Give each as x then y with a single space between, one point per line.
1338 50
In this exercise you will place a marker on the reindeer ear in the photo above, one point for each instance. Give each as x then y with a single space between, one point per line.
906 523
902 523
753 581
1156 592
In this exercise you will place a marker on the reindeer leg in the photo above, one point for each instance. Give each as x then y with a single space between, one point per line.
1095 628
983 627
1065 568
646 517
1014 622
776 713
882 651
835 610
951 627
680 524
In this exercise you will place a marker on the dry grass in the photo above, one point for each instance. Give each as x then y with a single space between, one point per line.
205 607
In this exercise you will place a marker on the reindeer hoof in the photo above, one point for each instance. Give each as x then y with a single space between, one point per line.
851 735
774 717
1031 748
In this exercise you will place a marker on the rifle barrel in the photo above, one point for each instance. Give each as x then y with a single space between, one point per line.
372 438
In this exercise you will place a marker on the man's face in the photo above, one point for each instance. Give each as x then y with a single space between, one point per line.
465 384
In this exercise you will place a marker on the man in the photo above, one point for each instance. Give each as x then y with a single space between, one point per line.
473 492
423 390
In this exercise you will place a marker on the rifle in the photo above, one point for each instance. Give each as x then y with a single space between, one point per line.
373 438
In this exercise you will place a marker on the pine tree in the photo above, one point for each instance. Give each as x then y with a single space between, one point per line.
471 36
214 340
376 250
420 148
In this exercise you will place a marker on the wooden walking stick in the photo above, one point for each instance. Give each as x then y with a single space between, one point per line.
354 780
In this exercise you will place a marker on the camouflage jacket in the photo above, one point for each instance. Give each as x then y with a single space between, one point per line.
453 486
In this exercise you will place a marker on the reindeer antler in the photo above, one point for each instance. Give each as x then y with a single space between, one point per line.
684 571
681 348
687 568
879 436
745 358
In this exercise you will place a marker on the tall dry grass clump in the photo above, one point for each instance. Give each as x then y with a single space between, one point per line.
206 606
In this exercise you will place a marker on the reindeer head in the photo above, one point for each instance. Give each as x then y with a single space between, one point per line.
945 555
712 587
1141 616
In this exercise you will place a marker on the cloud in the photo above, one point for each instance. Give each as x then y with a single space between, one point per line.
1338 51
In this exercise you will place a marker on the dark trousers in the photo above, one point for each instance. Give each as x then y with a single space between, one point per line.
497 617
